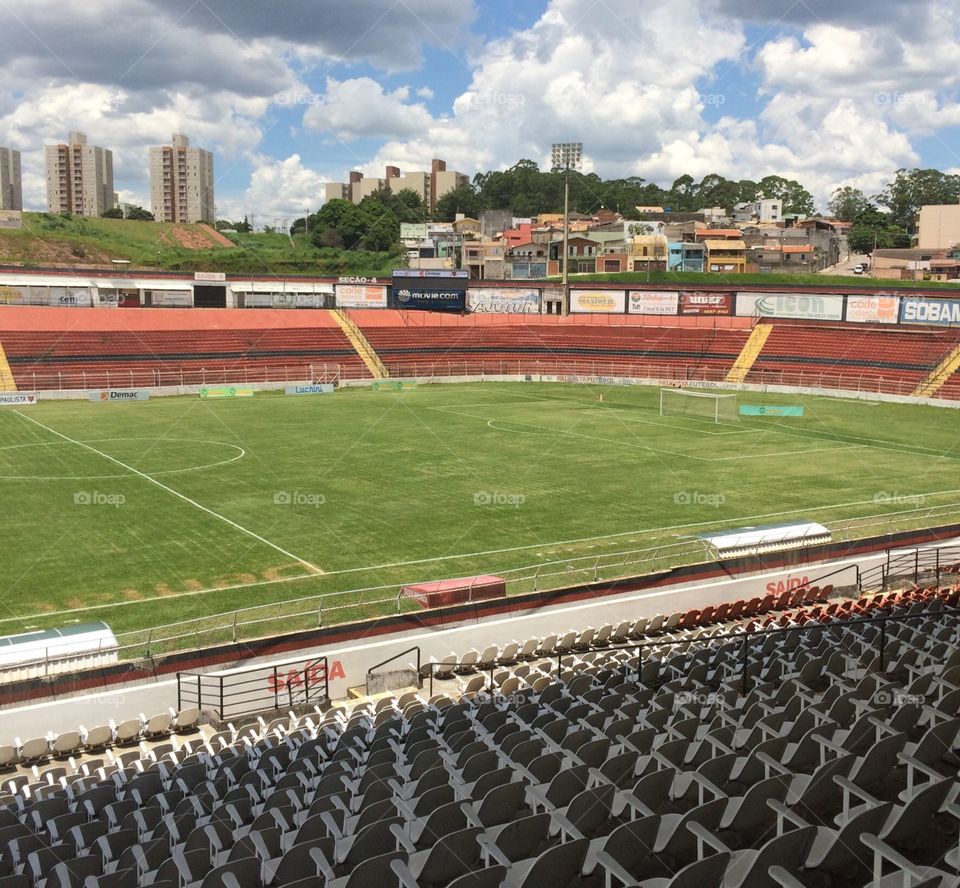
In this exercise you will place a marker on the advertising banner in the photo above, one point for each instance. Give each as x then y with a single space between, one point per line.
698 302
11 219
652 302
873 309
17 399
114 396
440 290
503 300
598 301
801 306
923 310
172 298
226 391
764 410
360 296
413 231
322 388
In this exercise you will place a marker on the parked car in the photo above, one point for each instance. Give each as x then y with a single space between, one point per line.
859 269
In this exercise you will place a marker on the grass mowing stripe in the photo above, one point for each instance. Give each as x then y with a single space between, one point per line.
310 566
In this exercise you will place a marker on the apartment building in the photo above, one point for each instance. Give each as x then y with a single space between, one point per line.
430 187
79 177
11 193
181 182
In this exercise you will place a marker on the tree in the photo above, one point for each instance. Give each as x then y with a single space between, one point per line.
113 213
794 198
330 214
872 228
139 214
847 203
382 236
460 200
245 227
353 225
327 237
912 189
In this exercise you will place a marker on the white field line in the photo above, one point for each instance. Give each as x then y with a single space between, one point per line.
311 567
444 558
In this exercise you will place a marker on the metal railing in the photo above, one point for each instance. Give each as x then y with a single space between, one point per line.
257 689
572 370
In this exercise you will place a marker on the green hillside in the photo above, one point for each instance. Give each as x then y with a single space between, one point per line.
48 240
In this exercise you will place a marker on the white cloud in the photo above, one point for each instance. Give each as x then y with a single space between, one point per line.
360 108
278 190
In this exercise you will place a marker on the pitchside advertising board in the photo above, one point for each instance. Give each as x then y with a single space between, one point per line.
324 388
801 306
872 309
923 310
430 290
17 399
117 396
503 300
598 301
653 302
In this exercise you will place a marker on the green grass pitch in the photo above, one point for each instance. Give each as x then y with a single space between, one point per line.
144 514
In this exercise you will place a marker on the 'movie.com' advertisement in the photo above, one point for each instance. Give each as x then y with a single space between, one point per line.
430 290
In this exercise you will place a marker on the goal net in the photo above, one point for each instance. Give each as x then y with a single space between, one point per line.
701 405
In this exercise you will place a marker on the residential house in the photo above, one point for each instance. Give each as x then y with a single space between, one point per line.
525 261
726 255
686 256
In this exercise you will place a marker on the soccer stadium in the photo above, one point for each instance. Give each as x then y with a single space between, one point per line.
479 596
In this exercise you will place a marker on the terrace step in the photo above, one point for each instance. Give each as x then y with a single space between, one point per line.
7 382
943 371
751 351
360 344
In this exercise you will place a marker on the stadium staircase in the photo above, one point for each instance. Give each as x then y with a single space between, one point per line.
7 382
751 351
936 380
360 344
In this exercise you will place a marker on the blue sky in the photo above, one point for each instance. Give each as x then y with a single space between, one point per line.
292 94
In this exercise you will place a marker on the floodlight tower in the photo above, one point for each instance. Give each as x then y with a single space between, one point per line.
566 155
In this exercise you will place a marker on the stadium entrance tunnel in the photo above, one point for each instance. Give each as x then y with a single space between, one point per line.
210 296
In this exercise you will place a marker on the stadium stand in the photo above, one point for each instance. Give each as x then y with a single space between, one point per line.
899 357
830 761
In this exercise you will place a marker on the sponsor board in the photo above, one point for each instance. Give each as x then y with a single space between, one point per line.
503 300
115 396
803 306
873 309
764 410
652 302
216 277
172 298
391 386
360 296
699 302
413 231
226 391
17 399
922 310
598 301
11 219
323 388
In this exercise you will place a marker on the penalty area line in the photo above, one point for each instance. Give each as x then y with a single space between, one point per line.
314 570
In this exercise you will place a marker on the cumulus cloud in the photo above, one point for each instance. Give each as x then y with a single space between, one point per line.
360 108
278 190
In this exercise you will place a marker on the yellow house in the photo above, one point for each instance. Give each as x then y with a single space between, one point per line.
726 255
647 250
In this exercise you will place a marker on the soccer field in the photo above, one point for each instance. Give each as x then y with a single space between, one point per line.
152 513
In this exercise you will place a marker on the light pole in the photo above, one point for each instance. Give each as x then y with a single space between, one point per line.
565 155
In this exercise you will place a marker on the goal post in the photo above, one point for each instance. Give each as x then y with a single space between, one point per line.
710 406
